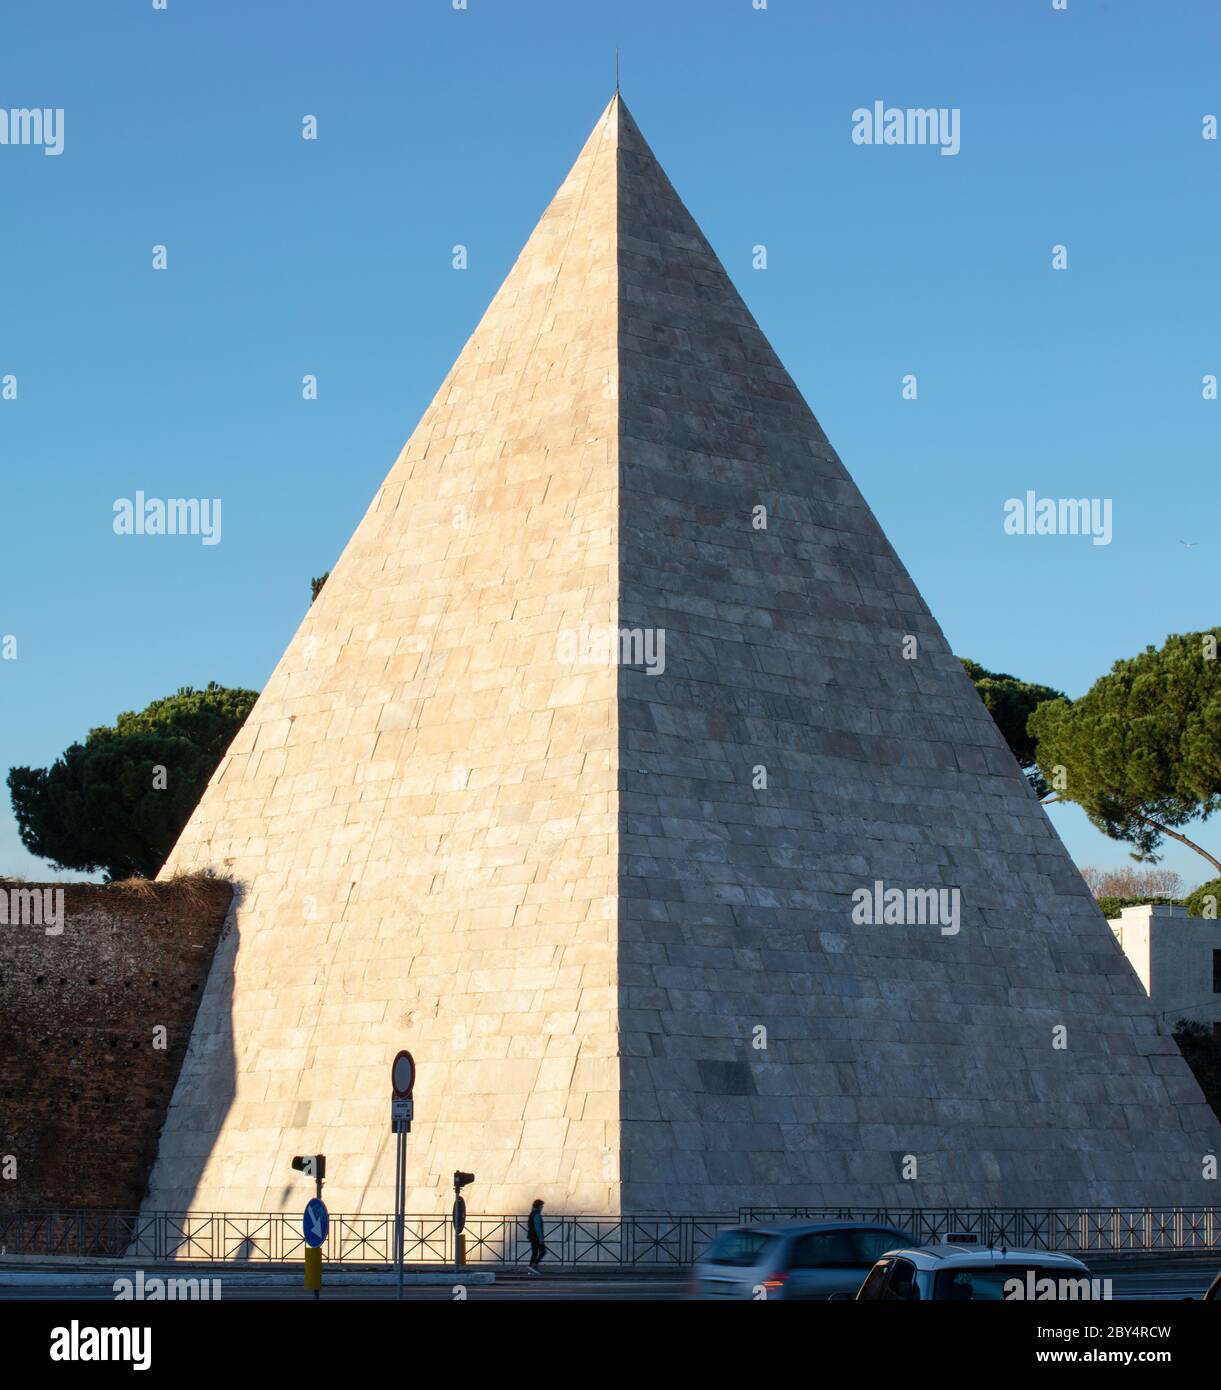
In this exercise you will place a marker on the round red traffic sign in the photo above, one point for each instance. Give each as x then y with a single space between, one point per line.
402 1075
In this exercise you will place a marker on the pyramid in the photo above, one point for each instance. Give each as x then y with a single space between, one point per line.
573 781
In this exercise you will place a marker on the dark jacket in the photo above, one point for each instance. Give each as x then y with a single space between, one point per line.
535 1226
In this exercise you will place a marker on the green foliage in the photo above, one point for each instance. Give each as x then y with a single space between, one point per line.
1112 907
207 718
1142 748
99 806
1011 702
1191 1030
315 585
1198 904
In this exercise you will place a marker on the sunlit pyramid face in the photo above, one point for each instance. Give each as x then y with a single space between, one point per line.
575 781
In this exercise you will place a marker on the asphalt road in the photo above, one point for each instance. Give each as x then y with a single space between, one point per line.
538 1289
1161 1281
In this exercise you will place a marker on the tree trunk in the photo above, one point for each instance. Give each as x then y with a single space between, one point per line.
1162 830
1183 840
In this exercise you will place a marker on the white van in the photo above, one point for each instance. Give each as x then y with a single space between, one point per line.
961 1273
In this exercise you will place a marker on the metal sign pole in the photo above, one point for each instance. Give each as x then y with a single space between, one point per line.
457 1222
402 1082
318 1194
401 1200
398 1227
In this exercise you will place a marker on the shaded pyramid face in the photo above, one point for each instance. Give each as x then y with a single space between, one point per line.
582 779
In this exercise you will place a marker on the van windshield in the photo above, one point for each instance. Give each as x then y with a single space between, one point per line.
741 1248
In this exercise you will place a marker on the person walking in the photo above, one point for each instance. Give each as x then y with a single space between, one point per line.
534 1228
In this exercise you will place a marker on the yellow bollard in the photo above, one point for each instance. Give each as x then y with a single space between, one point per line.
313 1269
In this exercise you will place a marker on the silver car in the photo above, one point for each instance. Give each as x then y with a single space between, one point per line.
806 1259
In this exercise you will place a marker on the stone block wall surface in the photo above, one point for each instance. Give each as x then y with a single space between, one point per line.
421 808
627 967
774 1051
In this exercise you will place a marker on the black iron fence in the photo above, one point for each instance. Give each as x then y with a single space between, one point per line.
428 1240
628 1241
1097 1229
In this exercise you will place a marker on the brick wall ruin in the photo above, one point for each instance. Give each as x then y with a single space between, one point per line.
85 1072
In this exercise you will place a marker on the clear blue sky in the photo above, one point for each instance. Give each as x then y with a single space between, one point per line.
439 126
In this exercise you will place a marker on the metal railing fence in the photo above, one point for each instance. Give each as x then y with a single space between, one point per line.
1096 1229
629 1241
608 1241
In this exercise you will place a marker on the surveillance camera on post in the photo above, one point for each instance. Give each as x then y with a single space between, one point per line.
461 1180
313 1166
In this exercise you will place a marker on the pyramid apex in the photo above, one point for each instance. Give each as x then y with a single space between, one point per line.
619 125
613 106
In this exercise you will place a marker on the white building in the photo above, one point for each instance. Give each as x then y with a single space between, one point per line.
1178 959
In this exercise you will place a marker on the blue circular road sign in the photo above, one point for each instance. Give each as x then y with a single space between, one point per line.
317 1222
